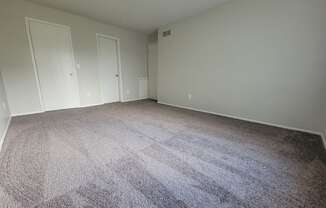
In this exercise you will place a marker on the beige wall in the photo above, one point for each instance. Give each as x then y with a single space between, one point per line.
15 54
256 59
4 111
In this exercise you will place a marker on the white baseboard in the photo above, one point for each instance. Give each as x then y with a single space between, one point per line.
91 105
2 139
37 112
131 100
249 120
25 114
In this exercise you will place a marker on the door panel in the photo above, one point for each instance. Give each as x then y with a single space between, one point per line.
108 69
55 65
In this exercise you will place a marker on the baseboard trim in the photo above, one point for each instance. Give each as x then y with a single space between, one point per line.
5 133
37 112
82 106
25 114
249 120
131 100
91 105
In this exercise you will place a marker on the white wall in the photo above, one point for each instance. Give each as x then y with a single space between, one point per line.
4 112
15 54
255 59
152 69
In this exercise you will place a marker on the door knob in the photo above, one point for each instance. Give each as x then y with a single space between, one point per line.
117 75
70 73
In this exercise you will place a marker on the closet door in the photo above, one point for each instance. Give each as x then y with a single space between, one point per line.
108 69
53 55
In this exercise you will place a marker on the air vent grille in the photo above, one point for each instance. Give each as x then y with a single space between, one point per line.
167 33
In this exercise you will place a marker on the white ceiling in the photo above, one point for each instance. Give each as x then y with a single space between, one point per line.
141 15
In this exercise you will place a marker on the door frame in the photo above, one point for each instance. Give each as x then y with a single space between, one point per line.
37 79
99 35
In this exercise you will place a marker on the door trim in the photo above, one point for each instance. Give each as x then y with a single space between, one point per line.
98 35
38 85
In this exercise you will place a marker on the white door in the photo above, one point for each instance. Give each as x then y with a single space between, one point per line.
108 68
54 61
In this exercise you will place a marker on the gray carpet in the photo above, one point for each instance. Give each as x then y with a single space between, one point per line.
143 154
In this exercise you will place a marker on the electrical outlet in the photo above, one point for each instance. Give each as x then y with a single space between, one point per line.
88 94
189 96
78 66
127 91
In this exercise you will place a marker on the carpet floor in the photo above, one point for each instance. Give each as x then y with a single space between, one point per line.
143 154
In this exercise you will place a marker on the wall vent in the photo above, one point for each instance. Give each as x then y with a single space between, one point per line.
167 33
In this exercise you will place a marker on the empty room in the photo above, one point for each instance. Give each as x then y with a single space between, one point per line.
163 104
